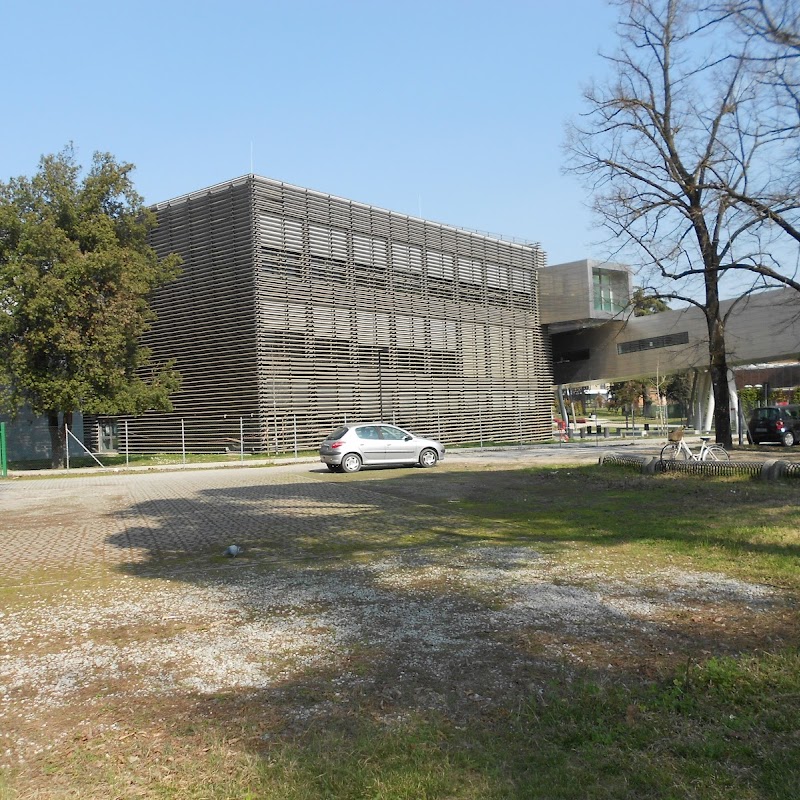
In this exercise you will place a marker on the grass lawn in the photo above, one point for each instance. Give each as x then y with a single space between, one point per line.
569 632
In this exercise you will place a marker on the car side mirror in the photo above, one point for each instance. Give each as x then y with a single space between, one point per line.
408 438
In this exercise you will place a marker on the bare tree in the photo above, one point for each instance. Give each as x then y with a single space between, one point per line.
777 24
681 151
771 29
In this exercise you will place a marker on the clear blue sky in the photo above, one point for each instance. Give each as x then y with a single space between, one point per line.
452 109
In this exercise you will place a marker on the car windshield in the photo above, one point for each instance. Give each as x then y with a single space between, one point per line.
765 413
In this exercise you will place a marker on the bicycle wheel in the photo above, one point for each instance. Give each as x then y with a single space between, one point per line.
716 452
673 452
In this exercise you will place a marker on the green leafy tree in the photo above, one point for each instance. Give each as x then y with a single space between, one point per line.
644 305
678 389
750 397
76 278
629 393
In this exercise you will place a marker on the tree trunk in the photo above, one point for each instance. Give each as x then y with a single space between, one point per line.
57 427
717 352
57 434
718 363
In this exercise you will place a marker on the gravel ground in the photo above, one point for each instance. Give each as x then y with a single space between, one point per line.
116 595
446 629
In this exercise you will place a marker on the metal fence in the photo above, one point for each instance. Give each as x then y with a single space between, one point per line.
295 308
771 469
270 435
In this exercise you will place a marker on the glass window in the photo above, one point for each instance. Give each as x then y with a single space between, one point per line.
766 413
610 290
389 432
108 436
368 432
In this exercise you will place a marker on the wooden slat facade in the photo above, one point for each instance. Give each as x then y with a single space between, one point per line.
297 311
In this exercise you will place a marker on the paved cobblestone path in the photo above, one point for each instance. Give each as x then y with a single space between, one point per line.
82 525
87 524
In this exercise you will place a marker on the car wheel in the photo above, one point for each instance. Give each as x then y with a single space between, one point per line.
351 463
428 457
787 440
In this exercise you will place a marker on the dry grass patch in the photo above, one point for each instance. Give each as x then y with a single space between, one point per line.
564 638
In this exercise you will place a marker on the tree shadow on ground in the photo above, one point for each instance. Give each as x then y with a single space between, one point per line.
432 623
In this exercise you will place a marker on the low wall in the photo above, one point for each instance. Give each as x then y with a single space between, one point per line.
772 469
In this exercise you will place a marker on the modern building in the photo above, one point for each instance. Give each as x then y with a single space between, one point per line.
297 311
759 327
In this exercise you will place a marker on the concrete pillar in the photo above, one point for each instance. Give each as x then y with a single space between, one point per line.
708 423
699 402
734 405
561 406
701 416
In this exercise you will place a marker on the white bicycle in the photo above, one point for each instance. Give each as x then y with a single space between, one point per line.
676 449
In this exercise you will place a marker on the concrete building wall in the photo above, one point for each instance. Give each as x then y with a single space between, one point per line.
761 327
28 436
572 293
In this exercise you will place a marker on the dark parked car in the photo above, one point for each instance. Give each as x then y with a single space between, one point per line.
775 424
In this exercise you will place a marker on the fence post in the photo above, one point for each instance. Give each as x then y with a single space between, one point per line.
66 442
294 425
85 448
3 450
127 448
183 442
241 439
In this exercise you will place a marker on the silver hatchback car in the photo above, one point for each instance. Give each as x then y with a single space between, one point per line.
376 444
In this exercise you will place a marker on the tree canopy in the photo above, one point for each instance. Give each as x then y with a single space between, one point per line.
690 150
76 278
644 305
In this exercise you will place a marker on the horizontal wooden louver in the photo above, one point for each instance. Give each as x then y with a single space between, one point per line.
297 312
